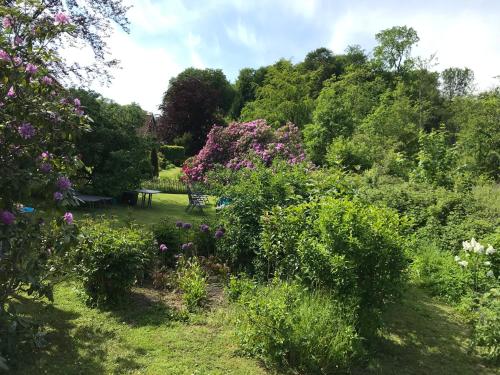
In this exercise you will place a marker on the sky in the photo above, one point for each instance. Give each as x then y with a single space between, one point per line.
168 36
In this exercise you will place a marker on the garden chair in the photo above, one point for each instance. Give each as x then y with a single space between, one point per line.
196 200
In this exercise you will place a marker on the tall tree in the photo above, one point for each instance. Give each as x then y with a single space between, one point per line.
394 49
456 82
284 96
195 100
247 83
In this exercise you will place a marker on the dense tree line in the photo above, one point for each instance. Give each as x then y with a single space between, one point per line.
357 110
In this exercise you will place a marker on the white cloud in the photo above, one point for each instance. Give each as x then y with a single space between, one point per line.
193 43
242 34
143 75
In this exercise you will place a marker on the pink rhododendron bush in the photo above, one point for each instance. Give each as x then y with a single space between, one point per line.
240 144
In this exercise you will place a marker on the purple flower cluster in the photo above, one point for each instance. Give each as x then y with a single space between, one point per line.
26 130
186 246
236 145
204 228
63 183
186 226
58 196
31 69
163 248
219 233
7 217
68 218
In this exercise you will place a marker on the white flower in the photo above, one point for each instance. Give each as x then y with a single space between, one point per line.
52 269
457 258
487 263
479 248
466 245
490 273
463 263
490 250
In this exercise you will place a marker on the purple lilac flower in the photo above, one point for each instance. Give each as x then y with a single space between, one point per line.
45 167
63 183
179 224
163 248
219 234
31 69
77 102
4 55
58 196
68 218
7 217
7 22
26 130
47 80
11 93
187 225
61 19
204 228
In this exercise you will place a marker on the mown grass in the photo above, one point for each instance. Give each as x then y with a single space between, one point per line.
165 206
171 173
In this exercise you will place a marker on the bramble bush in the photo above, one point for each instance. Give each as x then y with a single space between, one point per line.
239 144
109 261
289 327
353 250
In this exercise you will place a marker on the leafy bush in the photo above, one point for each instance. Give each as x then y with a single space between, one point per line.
353 250
236 145
174 154
436 271
286 326
252 191
110 260
486 325
192 283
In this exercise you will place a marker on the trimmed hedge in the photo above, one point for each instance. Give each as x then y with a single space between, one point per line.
174 154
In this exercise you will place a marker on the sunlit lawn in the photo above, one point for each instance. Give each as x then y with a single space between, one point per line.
165 206
171 173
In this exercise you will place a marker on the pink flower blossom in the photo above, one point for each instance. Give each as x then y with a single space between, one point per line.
7 22
61 18
31 69
11 93
68 218
4 55
47 80
18 40
163 248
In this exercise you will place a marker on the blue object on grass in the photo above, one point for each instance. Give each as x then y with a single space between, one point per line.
27 210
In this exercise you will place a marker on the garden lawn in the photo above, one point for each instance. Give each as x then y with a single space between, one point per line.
165 206
422 336
170 173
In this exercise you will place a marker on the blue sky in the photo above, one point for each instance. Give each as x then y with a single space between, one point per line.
170 35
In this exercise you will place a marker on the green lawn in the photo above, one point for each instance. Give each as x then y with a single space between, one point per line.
165 206
171 173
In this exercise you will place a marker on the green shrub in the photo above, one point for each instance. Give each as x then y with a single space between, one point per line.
353 250
437 271
192 283
110 260
486 326
173 154
286 326
167 234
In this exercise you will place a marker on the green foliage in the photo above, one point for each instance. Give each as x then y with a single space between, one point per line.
353 250
192 282
110 260
486 323
174 154
436 159
437 271
117 159
252 191
394 48
247 83
283 97
286 326
456 82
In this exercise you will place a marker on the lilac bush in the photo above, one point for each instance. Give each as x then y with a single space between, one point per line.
236 145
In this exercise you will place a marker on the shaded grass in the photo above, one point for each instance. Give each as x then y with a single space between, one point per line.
425 336
140 338
165 206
